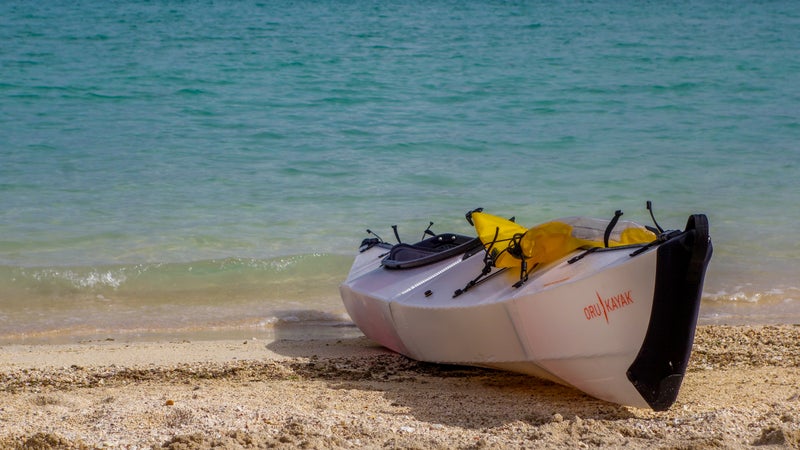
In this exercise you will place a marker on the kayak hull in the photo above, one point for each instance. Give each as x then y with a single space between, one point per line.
588 324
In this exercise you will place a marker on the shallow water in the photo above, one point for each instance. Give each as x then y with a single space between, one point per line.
192 165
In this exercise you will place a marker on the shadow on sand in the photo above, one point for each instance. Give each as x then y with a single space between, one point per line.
463 396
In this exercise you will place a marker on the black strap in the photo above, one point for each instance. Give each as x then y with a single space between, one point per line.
488 260
579 257
469 215
428 231
396 234
611 226
652 216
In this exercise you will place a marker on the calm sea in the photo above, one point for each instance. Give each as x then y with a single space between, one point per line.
186 166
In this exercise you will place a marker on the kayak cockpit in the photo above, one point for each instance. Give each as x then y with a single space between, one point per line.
429 251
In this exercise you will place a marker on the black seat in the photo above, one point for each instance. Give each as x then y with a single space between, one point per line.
429 251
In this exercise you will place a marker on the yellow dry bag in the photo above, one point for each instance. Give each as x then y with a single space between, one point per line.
510 242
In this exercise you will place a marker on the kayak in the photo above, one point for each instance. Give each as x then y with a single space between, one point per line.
606 306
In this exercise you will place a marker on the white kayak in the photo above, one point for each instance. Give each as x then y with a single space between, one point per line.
613 319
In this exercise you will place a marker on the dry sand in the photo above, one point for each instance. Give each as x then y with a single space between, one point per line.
742 390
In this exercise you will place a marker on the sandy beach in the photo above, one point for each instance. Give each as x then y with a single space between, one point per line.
742 390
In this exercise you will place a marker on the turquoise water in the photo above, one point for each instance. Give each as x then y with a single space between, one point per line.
194 165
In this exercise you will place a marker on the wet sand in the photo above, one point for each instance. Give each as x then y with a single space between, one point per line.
742 389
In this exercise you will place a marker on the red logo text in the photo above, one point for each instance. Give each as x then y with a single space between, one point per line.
603 306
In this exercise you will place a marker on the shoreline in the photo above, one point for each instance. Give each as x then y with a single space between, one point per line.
346 392
319 318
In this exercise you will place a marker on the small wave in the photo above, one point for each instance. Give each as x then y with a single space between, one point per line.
743 295
282 278
676 88
190 92
59 280
307 317
91 279
99 96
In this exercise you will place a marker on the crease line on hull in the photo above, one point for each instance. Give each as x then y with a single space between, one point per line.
423 281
